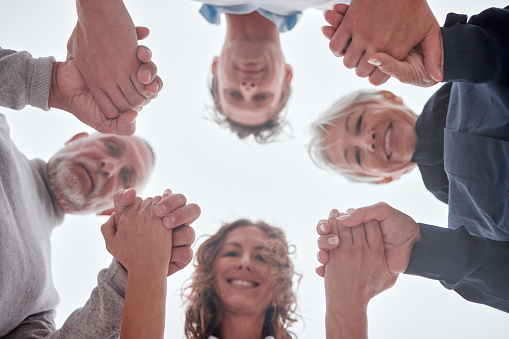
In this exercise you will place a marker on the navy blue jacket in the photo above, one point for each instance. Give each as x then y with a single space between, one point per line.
472 255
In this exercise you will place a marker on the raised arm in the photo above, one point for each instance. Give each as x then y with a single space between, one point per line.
145 241
44 83
356 271
477 51
394 27
104 44
474 267
143 245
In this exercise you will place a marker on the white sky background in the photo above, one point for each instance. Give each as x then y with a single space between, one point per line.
233 179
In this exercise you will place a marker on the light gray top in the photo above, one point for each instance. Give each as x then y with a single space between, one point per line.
24 80
28 214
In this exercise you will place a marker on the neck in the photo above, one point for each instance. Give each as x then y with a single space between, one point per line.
241 326
49 186
252 26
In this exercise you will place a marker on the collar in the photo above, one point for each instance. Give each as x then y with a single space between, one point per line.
430 129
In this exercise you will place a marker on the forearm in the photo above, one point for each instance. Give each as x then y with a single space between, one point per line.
90 9
145 304
24 80
474 267
349 320
477 51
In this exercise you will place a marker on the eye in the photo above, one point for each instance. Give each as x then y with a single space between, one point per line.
358 156
231 254
235 94
125 177
358 125
260 97
111 148
260 257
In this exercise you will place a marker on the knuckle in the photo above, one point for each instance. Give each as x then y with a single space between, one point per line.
137 101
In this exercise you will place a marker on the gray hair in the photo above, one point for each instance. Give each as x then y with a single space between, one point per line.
264 133
340 108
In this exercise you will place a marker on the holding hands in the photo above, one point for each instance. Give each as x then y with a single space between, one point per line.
356 270
137 237
107 77
391 29
399 233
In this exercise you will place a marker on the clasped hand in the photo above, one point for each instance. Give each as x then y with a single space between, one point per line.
152 233
373 36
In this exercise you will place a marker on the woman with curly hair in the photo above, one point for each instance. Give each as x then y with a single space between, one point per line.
242 285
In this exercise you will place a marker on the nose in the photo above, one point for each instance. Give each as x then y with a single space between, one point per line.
108 167
248 85
244 262
368 141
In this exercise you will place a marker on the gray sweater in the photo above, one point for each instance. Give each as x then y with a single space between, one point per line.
28 214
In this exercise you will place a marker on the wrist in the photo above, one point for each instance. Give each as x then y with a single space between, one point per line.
55 96
146 271
346 323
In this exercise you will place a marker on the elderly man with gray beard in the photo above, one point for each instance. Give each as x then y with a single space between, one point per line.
81 178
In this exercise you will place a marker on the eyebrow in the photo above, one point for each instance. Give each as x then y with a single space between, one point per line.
347 121
346 155
240 246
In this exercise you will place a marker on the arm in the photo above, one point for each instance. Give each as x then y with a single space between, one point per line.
24 80
394 27
143 245
137 236
474 267
44 83
356 272
99 318
475 52
104 44
478 51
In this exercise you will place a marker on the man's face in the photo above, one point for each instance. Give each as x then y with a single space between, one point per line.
86 173
251 77
375 139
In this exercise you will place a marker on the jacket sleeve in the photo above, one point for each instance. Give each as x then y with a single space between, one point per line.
477 51
24 80
99 318
476 268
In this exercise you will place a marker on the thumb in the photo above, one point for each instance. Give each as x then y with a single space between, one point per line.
123 199
109 229
388 65
354 217
124 124
433 51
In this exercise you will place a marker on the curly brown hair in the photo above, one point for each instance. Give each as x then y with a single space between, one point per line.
205 311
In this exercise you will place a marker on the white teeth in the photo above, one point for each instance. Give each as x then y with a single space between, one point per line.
242 282
388 142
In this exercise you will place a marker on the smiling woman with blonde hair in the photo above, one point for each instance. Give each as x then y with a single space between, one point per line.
242 285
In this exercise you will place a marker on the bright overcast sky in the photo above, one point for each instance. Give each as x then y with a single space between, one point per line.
233 179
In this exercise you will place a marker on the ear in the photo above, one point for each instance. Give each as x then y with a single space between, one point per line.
386 180
391 97
106 212
288 73
215 61
78 136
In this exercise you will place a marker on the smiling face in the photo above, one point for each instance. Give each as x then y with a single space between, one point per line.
86 173
244 280
251 81
375 139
